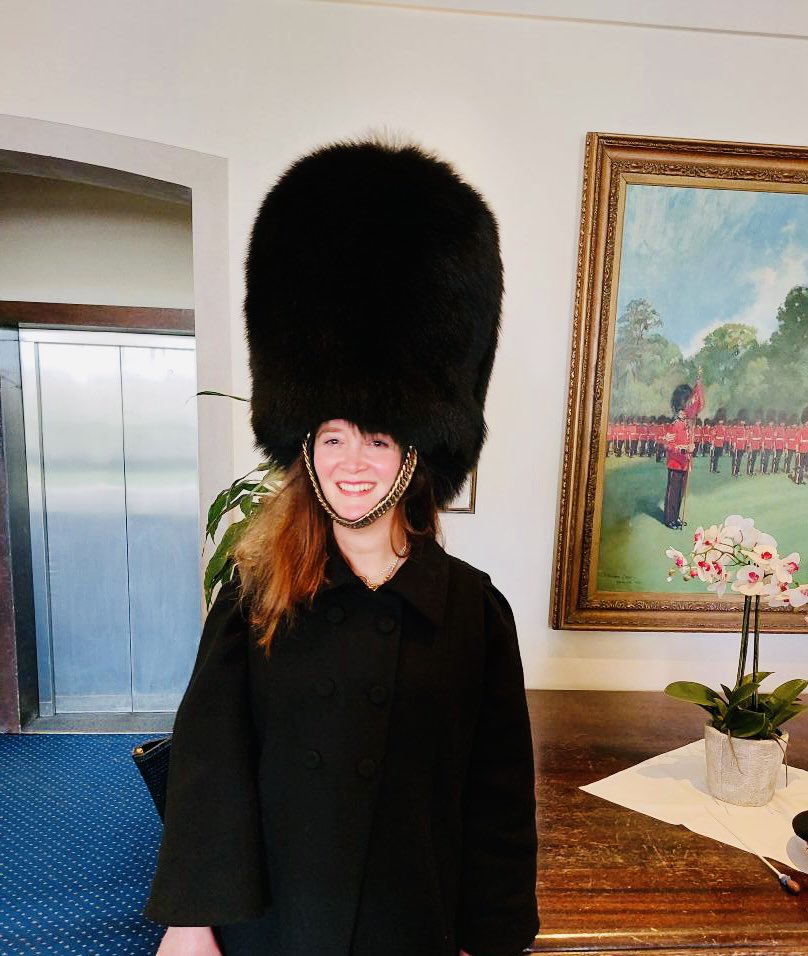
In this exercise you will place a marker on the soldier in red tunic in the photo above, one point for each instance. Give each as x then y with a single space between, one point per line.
661 430
754 442
792 433
780 432
686 402
802 449
768 441
619 436
738 441
720 438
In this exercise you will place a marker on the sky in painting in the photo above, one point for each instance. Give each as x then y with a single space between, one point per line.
703 257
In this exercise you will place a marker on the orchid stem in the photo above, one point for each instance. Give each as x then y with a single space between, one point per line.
756 649
747 604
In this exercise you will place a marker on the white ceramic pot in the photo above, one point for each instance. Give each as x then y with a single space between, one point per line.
740 771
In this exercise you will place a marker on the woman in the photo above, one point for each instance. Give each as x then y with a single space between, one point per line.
351 773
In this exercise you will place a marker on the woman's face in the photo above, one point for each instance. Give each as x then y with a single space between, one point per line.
355 470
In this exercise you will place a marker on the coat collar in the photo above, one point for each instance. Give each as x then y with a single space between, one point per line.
422 580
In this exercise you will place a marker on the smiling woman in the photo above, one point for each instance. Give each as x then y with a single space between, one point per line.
352 766
355 470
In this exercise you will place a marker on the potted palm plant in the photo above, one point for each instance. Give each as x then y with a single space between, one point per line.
242 497
744 741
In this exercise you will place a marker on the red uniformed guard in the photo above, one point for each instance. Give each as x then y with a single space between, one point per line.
720 439
738 441
802 449
792 443
686 402
754 443
768 442
780 432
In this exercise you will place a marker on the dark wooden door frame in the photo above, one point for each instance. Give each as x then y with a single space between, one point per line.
109 317
19 685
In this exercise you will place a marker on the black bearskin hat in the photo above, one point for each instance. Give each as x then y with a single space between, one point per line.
680 398
374 287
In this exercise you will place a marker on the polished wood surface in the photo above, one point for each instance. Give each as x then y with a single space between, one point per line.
615 881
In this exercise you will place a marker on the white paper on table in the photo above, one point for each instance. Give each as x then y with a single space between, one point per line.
673 787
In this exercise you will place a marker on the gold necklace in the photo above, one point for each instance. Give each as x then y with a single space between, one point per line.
387 573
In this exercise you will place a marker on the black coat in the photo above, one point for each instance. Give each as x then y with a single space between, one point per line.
366 789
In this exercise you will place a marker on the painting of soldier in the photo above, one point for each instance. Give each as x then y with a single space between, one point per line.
708 384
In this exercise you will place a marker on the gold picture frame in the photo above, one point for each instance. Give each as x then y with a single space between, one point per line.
631 184
465 502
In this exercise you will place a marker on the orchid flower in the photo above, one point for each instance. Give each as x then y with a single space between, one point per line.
784 569
750 580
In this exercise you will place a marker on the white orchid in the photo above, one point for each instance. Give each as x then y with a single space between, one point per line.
764 551
783 596
737 549
720 579
750 581
743 530
784 569
677 557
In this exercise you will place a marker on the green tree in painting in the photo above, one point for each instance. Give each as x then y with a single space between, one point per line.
645 363
723 350
788 346
737 369
733 368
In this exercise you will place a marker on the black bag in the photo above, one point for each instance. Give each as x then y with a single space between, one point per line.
151 759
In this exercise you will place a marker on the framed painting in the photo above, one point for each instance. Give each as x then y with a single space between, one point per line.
691 315
465 501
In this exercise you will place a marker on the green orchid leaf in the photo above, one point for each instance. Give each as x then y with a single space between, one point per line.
759 676
746 723
787 713
693 693
789 691
742 692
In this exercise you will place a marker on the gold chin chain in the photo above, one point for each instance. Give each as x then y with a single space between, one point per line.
405 473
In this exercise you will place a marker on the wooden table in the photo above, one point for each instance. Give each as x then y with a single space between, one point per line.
615 881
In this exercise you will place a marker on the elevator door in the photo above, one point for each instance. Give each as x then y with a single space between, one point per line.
111 441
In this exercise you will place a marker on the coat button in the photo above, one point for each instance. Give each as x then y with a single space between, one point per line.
324 686
378 694
386 625
366 767
312 759
335 614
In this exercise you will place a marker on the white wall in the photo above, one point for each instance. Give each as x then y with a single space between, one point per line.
509 100
71 242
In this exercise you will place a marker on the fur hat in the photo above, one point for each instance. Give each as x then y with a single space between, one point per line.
374 287
680 398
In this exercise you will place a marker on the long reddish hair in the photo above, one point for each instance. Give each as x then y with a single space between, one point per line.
282 555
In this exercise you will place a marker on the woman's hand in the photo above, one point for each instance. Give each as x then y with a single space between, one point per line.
189 941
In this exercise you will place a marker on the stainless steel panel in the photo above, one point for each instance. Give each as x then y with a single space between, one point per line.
162 504
36 509
85 506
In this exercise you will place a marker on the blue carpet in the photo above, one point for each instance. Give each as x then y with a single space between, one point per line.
78 846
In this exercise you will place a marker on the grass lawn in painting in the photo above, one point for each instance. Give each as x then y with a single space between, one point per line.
633 538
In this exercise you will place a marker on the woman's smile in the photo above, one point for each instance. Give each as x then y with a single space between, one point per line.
356 488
